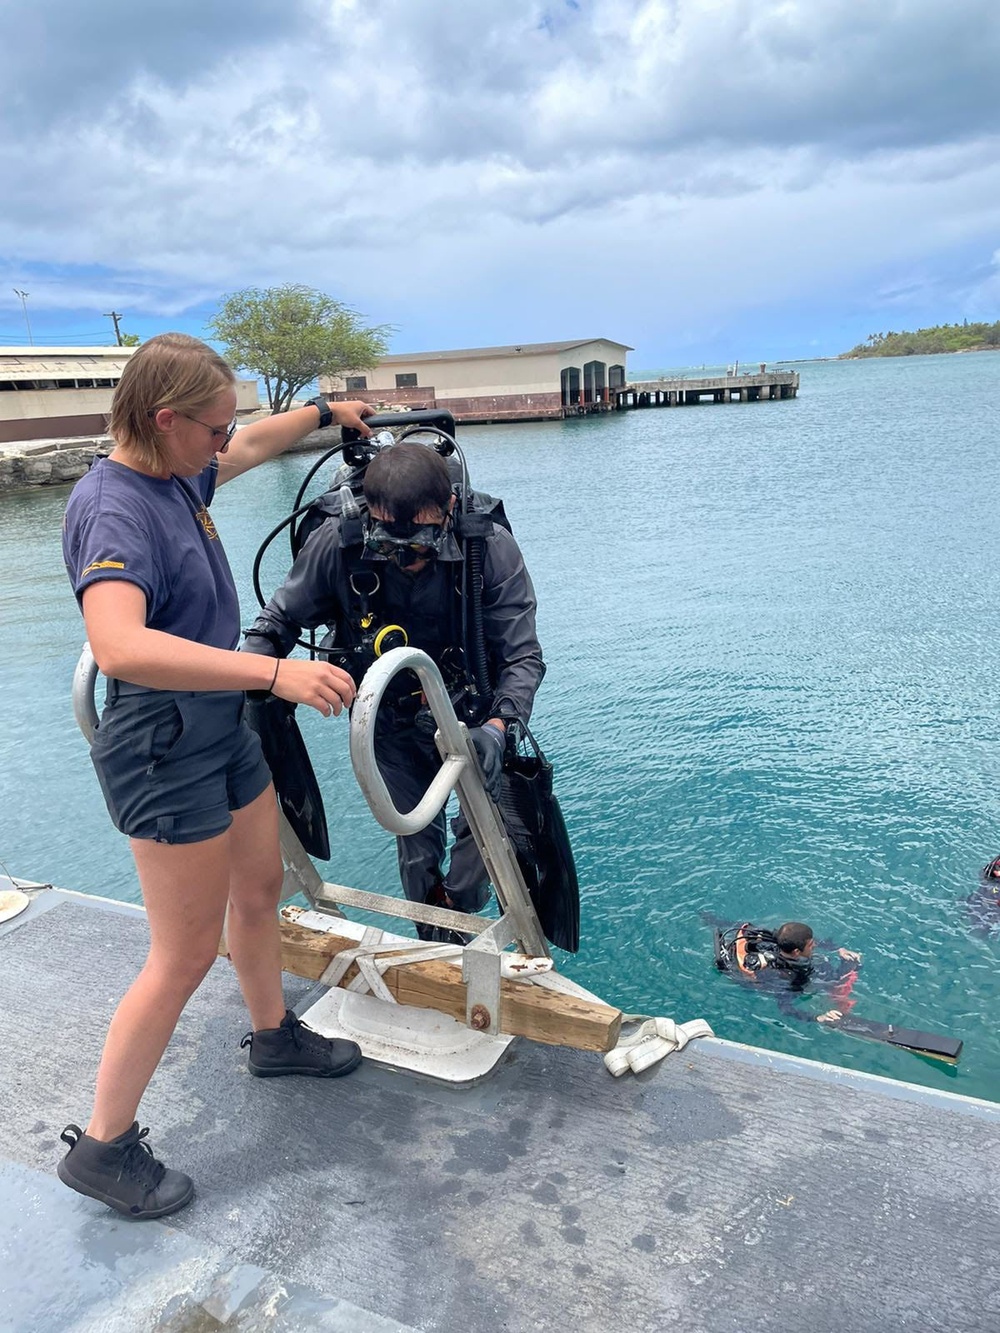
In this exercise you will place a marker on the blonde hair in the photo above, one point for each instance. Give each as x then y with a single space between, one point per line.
170 370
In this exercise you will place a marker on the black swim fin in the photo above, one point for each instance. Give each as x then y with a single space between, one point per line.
537 832
909 1039
273 720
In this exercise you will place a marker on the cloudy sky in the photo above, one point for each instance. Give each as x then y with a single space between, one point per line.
701 179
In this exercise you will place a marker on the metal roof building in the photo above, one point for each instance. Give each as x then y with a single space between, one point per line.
64 392
54 392
519 382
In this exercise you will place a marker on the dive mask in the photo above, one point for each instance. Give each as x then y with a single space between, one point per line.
404 543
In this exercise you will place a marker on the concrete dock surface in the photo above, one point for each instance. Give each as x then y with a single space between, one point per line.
725 1189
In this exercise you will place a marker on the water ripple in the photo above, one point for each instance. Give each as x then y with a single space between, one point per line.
771 692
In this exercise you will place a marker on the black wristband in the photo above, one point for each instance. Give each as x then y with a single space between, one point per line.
324 409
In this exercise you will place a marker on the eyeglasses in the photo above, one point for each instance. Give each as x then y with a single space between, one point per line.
224 433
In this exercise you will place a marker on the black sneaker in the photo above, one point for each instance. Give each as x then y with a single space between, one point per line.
293 1048
124 1174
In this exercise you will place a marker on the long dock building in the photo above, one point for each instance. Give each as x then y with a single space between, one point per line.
542 381
524 382
64 393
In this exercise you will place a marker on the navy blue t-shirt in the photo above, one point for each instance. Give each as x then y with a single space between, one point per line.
159 535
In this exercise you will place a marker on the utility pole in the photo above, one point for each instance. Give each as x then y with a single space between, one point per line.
115 316
24 306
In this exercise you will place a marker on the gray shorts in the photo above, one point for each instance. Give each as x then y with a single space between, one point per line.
173 765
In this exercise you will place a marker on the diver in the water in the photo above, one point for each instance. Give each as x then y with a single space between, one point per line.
397 568
791 964
784 962
982 907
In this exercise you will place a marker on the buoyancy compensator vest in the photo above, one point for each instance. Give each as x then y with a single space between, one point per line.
747 950
384 609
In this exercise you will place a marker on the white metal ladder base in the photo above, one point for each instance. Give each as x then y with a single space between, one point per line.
400 1036
406 1039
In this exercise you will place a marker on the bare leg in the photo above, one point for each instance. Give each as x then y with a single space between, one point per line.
254 941
184 887
253 935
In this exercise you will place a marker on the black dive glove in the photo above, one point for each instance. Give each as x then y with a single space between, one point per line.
489 745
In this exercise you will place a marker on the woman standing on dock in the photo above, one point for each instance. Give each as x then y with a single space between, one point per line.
182 774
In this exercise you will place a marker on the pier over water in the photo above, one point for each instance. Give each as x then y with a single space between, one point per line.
762 386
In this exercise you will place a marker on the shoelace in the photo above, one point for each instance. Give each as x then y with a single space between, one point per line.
139 1163
302 1037
306 1039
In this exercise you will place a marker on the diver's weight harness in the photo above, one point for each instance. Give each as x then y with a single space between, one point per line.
371 624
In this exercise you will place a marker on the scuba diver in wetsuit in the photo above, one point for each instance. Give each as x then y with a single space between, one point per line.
784 963
394 572
982 906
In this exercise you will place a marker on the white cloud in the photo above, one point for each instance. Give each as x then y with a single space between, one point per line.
601 156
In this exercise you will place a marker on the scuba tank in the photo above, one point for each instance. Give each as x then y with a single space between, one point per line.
731 947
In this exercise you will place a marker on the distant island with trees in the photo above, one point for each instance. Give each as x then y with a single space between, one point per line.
964 337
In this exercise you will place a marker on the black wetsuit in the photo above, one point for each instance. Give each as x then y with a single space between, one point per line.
982 907
790 979
428 605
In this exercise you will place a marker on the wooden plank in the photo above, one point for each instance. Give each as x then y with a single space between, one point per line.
525 1010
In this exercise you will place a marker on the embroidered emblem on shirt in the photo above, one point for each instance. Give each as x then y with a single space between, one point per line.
103 564
205 519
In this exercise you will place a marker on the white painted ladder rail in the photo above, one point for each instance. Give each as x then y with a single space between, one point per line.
301 875
481 961
518 923
84 683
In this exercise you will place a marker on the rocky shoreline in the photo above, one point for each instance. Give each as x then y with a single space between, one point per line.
29 463
47 462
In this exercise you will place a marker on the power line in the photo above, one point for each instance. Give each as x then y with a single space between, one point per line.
75 331
82 339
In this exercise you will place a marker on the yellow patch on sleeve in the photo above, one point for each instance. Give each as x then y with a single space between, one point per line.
103 564
205 519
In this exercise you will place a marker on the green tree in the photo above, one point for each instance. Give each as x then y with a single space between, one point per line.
964 337
130 340
290 335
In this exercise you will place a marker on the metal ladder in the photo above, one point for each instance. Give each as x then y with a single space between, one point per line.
518 923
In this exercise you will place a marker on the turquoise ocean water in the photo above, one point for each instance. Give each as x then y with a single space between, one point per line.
772 691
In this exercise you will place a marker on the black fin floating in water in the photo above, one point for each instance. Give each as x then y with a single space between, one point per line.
932 1044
